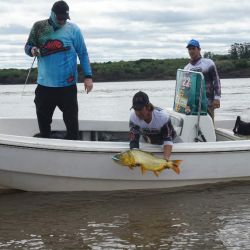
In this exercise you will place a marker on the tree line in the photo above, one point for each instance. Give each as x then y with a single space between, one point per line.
236 51
240 51
235 64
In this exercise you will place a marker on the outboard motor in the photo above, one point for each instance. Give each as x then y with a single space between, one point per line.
242 124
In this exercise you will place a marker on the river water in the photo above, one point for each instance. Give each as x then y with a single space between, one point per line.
204 217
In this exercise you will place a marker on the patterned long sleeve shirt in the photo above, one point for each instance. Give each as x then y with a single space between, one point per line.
59 48
159 131
208 68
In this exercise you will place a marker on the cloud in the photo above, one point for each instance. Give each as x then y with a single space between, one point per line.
130 30
14 29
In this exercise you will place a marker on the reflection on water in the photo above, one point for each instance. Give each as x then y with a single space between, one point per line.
211 217
237 225
216 217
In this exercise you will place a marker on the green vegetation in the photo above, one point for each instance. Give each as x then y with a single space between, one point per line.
240 51
17 76
236 64
144 69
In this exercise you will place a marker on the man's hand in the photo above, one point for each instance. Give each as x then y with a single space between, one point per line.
88 84
216 103
167 149
166 157
35 51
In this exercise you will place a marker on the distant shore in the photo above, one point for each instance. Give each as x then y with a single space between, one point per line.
140 70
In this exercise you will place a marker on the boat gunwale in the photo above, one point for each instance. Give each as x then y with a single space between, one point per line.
109 147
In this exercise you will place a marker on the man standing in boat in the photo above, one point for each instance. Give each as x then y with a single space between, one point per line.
56 43
208 68
152 123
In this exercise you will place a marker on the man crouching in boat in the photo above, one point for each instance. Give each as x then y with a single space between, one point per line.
152 123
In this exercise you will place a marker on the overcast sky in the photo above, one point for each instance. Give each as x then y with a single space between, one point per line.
117 30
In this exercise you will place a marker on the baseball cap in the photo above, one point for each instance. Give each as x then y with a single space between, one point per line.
61 9
193 43
140 100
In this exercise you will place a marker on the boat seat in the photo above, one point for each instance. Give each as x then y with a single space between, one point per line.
178 130
177 123
185 126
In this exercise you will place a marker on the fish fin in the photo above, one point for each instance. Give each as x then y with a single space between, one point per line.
175 167
160 170
156 173
178 162
143 170
146 152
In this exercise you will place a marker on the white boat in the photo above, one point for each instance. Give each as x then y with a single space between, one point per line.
37 164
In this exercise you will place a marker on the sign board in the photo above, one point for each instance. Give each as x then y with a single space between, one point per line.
190 90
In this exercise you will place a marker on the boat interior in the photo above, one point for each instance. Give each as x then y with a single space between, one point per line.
189 117
117 131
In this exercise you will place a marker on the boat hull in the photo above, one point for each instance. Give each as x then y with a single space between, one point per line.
37 168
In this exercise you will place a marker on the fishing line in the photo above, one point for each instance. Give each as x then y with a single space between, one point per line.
28 75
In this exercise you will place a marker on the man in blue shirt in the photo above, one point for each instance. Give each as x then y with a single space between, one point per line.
57 43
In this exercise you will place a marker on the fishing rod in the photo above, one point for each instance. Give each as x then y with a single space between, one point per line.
198 129
28 75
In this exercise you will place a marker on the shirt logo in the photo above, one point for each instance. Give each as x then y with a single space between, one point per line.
53 46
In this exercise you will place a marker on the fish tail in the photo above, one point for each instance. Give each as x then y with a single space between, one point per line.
175 167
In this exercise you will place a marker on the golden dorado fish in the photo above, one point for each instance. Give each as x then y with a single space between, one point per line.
146 161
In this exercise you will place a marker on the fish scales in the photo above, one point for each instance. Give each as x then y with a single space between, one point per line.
146 161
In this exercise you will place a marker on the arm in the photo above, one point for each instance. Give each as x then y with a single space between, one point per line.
30 43
134 135
167 149
31 48
82 53
217 87
168 133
